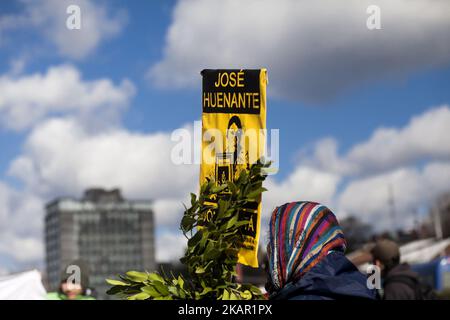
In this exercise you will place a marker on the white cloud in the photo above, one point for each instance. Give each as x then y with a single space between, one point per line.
169 211
410 189
170 246
62 157
313 50
49 19
303 184
21 216
413 161
324 156
23 248
26 99
424 138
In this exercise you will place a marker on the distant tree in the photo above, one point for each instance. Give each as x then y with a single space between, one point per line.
356 232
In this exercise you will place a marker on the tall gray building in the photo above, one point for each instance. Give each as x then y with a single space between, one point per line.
111 234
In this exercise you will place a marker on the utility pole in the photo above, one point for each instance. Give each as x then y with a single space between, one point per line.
391 201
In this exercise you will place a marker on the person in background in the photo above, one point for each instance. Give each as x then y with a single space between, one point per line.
399 281
71 290
306 258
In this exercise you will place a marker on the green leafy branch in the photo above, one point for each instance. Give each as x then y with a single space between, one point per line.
214 229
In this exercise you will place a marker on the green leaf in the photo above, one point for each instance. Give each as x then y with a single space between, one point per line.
231 222
241 223
256 193
246 295
115 290
164 298
225 295
193 199
139 296
199 270
180 282
212 254
151 291
218 189
162 289
195 239
223 207
173 290
116 282
233 296
187 222
137 276
233 188
205 291
155 276
255 290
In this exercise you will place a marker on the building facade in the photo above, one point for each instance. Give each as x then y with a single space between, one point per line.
110 234
441 216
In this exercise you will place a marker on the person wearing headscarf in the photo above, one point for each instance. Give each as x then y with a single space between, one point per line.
306 258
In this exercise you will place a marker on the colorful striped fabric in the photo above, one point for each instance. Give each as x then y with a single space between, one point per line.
301 234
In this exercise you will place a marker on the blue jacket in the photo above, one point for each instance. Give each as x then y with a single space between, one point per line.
333 278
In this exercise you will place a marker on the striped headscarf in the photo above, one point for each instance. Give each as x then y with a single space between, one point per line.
301 235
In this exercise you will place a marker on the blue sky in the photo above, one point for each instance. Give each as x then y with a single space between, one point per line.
340 83
384 103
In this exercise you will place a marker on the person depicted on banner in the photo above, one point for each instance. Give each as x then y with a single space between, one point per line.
73 286
306 258
399 281
234 103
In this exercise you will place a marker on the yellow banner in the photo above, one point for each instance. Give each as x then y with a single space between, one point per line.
234 136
